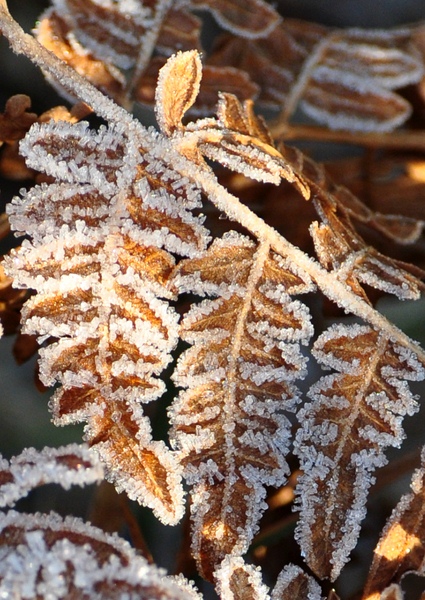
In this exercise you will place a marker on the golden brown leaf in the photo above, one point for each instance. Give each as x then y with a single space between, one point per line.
236 580
401 548
177 89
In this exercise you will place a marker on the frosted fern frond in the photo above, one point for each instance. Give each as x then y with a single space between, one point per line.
105 233
228 426
354 415
125 32
69 465
401 548
55 33
342 78
45 556
97 265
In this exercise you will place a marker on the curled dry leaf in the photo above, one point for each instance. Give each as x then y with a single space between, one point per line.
16 120
401 548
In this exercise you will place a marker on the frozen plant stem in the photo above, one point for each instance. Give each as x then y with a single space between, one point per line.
78 86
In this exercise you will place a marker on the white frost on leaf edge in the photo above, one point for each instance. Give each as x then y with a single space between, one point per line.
33 468
37 567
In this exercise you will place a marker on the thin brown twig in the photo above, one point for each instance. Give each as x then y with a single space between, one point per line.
397 140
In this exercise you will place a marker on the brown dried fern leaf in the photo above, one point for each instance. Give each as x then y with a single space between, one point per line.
104 41
245 356
342 78
45 556
332 197
95 261
55 34
140 184
119 33
341 250
382 178
354 415
401 548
